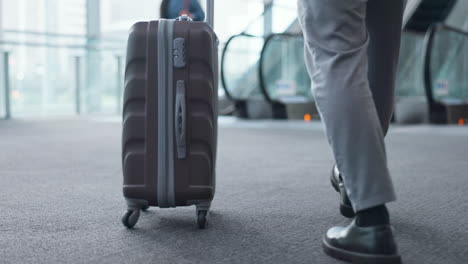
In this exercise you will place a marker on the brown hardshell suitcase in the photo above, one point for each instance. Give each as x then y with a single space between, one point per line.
169 133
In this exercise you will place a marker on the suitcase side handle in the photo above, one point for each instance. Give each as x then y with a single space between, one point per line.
180 120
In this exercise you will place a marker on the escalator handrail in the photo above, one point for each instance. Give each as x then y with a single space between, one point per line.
445 12
411 7
261 76
428 49
223 58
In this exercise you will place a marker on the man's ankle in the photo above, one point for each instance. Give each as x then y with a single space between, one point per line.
374 216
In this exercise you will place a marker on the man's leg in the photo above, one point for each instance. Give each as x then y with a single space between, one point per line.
336 39
337 42
384 23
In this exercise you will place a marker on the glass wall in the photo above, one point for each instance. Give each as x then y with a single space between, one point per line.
117 16
284 70
231 17
449 66
458 18
284 13
42 37
410 81
64 61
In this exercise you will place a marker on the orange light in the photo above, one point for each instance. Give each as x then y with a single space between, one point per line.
15 94
307 117
461 121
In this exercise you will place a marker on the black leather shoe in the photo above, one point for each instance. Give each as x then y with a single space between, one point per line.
362 245
345 204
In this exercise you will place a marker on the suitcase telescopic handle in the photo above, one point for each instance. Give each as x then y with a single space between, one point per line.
210 12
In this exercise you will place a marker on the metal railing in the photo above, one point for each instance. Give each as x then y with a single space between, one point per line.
53 42
6 84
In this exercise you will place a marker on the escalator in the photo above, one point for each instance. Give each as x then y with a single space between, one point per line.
412 102
274 85
239 62
445 74
240 79
431 84
283 77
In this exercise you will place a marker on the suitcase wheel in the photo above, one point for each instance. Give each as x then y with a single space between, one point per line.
201 219
130 218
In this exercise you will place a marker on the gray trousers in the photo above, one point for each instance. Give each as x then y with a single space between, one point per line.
352 49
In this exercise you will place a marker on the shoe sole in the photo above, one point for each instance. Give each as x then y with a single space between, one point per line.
345 210
354 257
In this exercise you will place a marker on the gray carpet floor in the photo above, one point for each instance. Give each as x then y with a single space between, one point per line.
61 201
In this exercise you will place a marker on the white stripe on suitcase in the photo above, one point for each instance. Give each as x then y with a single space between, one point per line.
165 177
